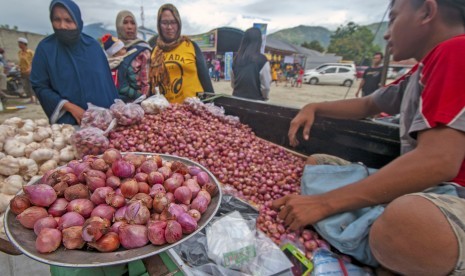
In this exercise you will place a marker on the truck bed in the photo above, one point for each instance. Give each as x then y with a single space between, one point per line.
375 144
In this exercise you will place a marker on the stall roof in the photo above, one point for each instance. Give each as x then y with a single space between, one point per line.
280 45
308 52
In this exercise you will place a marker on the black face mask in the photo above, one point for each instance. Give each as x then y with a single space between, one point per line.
68 37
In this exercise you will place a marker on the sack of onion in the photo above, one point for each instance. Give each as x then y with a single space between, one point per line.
126 113
91 140
96 116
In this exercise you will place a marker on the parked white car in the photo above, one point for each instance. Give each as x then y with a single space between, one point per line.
340 75
324 65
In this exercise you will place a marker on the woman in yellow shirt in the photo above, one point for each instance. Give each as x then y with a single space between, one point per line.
177 67
274 75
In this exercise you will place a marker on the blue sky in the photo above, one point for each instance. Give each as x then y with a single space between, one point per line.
203 15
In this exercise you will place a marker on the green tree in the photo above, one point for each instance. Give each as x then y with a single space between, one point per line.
353 42
313 45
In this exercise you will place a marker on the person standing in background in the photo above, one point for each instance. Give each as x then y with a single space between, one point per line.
280 75
251 72
300 76
25 57
274 75
70 68
210 67
371 79
2 71
290 73
137 63
217 70
177 64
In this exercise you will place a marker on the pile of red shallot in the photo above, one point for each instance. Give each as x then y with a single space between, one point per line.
249 167
112 200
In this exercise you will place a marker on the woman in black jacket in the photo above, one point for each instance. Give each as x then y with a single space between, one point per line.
251 74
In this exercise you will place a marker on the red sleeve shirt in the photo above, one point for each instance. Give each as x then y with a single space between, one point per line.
431 95
442 99
443 81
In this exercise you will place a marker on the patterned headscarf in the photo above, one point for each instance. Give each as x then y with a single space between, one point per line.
158 72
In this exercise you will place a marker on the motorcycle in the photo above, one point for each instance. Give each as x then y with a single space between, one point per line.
14 86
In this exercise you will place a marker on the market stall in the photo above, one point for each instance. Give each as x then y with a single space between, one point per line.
237 143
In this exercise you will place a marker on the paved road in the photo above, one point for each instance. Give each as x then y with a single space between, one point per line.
298 97
279 95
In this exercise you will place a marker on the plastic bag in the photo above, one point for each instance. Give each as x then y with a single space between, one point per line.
127 114
269 259
194 102
155 104
328 263
96 116
91 140
198 105
234 243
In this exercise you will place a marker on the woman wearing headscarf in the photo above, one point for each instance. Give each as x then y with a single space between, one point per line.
177 64
137 63
251 75
70 69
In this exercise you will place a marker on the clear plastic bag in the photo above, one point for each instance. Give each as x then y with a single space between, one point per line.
327 263
91 140
155 104
194 102
96 116
198 105
234 243
269 259
127 113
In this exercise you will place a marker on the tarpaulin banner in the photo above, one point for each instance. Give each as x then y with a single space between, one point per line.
207 41
228 61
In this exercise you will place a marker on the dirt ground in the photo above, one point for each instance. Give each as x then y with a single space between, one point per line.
279 95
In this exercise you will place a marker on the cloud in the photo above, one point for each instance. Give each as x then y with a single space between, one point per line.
203 15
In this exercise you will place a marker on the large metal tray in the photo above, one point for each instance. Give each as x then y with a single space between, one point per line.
24 239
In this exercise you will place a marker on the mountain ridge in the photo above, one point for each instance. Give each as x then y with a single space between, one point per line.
302 33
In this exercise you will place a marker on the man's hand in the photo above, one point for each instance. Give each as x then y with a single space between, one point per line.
305 117
357 93
297 211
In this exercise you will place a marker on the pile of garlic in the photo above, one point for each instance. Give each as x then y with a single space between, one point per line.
29 148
